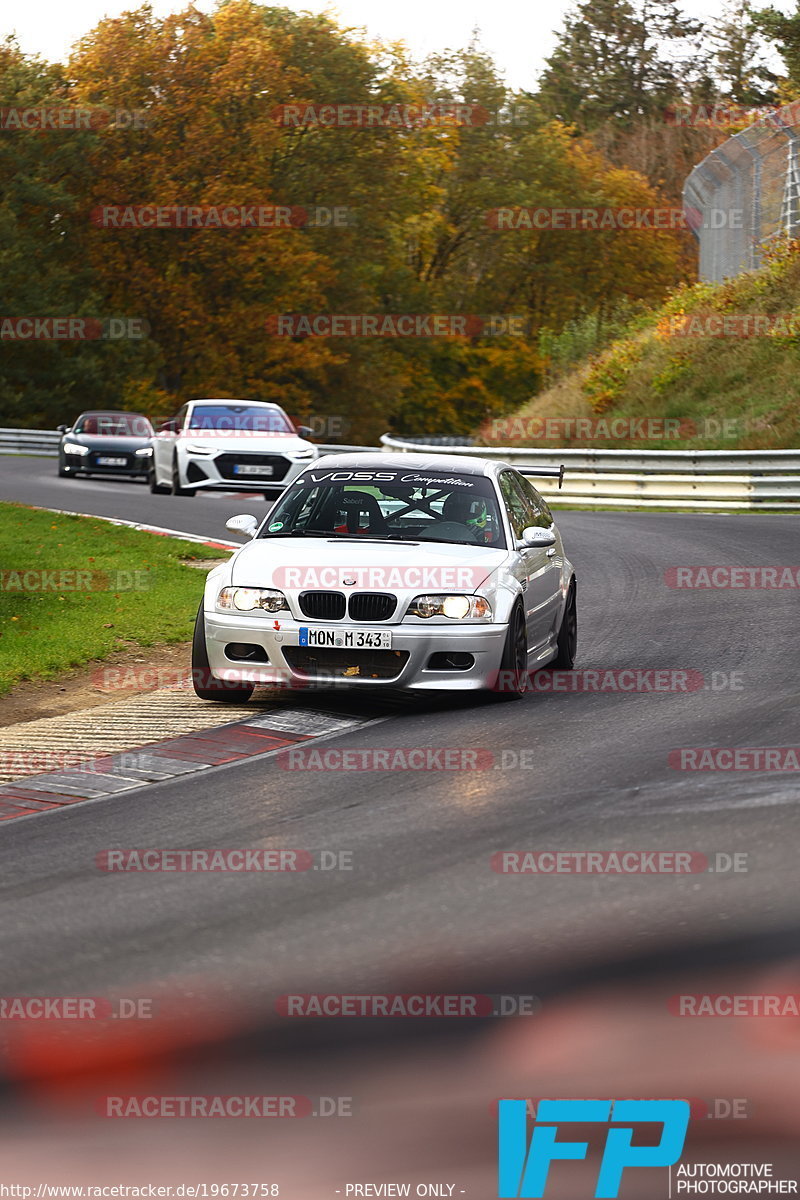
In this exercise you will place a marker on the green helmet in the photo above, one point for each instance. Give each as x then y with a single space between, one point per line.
479 514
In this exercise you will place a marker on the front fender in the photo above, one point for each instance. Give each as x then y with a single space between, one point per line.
216 579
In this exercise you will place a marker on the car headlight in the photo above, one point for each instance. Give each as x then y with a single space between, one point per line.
144 452
457 608
74 448
247 599
195 448
309 453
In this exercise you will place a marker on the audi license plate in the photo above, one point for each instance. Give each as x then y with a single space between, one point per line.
349 639
112 462
253 469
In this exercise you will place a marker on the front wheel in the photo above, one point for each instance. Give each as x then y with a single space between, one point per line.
177 490
156 488
512 679
568 633
206 685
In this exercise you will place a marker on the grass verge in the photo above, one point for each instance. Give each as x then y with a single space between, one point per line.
76 589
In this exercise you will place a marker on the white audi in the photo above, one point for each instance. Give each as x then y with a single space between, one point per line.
398 570
228 445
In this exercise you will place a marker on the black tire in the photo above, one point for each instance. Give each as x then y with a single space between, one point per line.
512 682
206 685
157 489
177 490
568 633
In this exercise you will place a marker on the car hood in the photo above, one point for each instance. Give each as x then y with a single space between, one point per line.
246 443
107 442
299 564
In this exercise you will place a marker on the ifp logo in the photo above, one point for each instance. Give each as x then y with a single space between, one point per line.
518 1178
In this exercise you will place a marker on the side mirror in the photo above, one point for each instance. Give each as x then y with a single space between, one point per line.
305 431
62 428
536 538
243 523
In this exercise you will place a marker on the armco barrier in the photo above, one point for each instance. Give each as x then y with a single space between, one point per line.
29 441
44 442
696 479
748 479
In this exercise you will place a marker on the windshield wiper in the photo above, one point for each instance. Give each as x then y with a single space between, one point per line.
319 533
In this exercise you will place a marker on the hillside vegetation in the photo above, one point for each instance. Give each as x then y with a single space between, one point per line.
666 372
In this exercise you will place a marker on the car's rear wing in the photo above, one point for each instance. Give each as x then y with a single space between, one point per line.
544 472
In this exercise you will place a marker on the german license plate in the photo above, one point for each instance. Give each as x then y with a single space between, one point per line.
347 639
253 469
111 462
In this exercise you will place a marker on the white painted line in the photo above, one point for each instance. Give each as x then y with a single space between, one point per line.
157 529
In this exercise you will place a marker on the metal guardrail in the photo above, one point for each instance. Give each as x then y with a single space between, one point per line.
44 442
29 441
698 479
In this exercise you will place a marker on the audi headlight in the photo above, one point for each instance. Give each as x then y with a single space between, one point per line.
248 599
457 608
195 448
144 452
309 453
74 448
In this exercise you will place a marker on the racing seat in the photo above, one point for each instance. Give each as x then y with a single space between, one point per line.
456 511
457 507
352 505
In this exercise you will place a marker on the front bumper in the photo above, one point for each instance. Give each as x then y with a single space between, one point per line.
215 473
87 464
417 644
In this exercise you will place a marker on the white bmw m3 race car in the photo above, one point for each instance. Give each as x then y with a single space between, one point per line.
406 571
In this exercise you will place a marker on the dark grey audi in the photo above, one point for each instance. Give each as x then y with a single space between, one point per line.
106 443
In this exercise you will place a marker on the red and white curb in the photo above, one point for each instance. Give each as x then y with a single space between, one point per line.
197 751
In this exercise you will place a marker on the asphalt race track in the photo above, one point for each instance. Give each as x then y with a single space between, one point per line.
421 895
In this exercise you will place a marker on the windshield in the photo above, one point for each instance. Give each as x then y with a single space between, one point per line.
235 418
388 505
114 425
